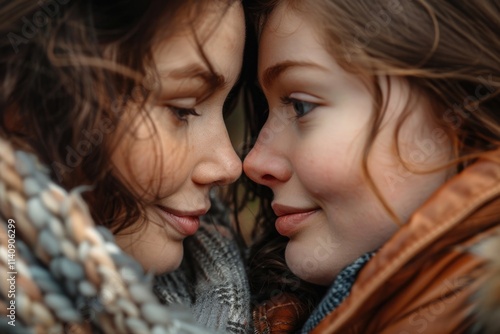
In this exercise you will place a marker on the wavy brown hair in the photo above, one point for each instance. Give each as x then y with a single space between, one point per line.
448 50
68 69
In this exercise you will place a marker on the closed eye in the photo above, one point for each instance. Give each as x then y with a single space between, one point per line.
182 113
182 108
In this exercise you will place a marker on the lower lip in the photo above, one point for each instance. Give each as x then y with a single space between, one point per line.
289 224
186 225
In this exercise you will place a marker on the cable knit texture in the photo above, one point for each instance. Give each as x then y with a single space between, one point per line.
211 281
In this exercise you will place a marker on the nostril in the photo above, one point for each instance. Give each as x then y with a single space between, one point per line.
268 177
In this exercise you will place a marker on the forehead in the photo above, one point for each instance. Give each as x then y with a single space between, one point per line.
217 33
289 35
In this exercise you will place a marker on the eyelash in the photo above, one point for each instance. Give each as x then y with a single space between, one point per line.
286 100
182 113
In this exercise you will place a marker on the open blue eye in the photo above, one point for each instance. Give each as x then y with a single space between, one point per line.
300 107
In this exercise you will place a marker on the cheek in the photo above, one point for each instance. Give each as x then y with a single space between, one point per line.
152 162
423 147
328 165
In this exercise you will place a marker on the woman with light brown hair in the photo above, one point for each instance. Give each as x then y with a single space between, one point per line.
381 148
123 102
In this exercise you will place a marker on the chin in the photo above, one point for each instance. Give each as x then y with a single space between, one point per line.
308 268
160 259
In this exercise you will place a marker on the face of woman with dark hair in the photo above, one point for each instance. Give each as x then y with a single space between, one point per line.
174 165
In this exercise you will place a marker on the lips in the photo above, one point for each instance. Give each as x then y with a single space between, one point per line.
291 219
184 222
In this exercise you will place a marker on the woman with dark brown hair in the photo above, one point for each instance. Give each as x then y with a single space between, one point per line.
381 148
125 102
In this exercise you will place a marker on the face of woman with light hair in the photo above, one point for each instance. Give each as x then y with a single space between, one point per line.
310 151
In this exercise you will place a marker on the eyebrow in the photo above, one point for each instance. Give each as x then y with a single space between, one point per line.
213 79
272 73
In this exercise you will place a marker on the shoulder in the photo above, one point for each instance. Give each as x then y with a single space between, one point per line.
427 277
433 292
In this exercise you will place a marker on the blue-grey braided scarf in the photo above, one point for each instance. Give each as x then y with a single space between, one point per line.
337 292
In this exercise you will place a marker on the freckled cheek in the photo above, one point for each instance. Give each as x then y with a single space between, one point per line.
328 170
153 165
315 170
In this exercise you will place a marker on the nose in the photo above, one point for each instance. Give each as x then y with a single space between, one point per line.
219 164
267 162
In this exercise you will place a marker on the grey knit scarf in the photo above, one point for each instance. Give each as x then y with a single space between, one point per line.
211 280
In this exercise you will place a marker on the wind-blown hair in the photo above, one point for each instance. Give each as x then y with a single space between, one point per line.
449 51
68 69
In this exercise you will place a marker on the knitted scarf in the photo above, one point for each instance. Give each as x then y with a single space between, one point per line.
211 279
69 274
